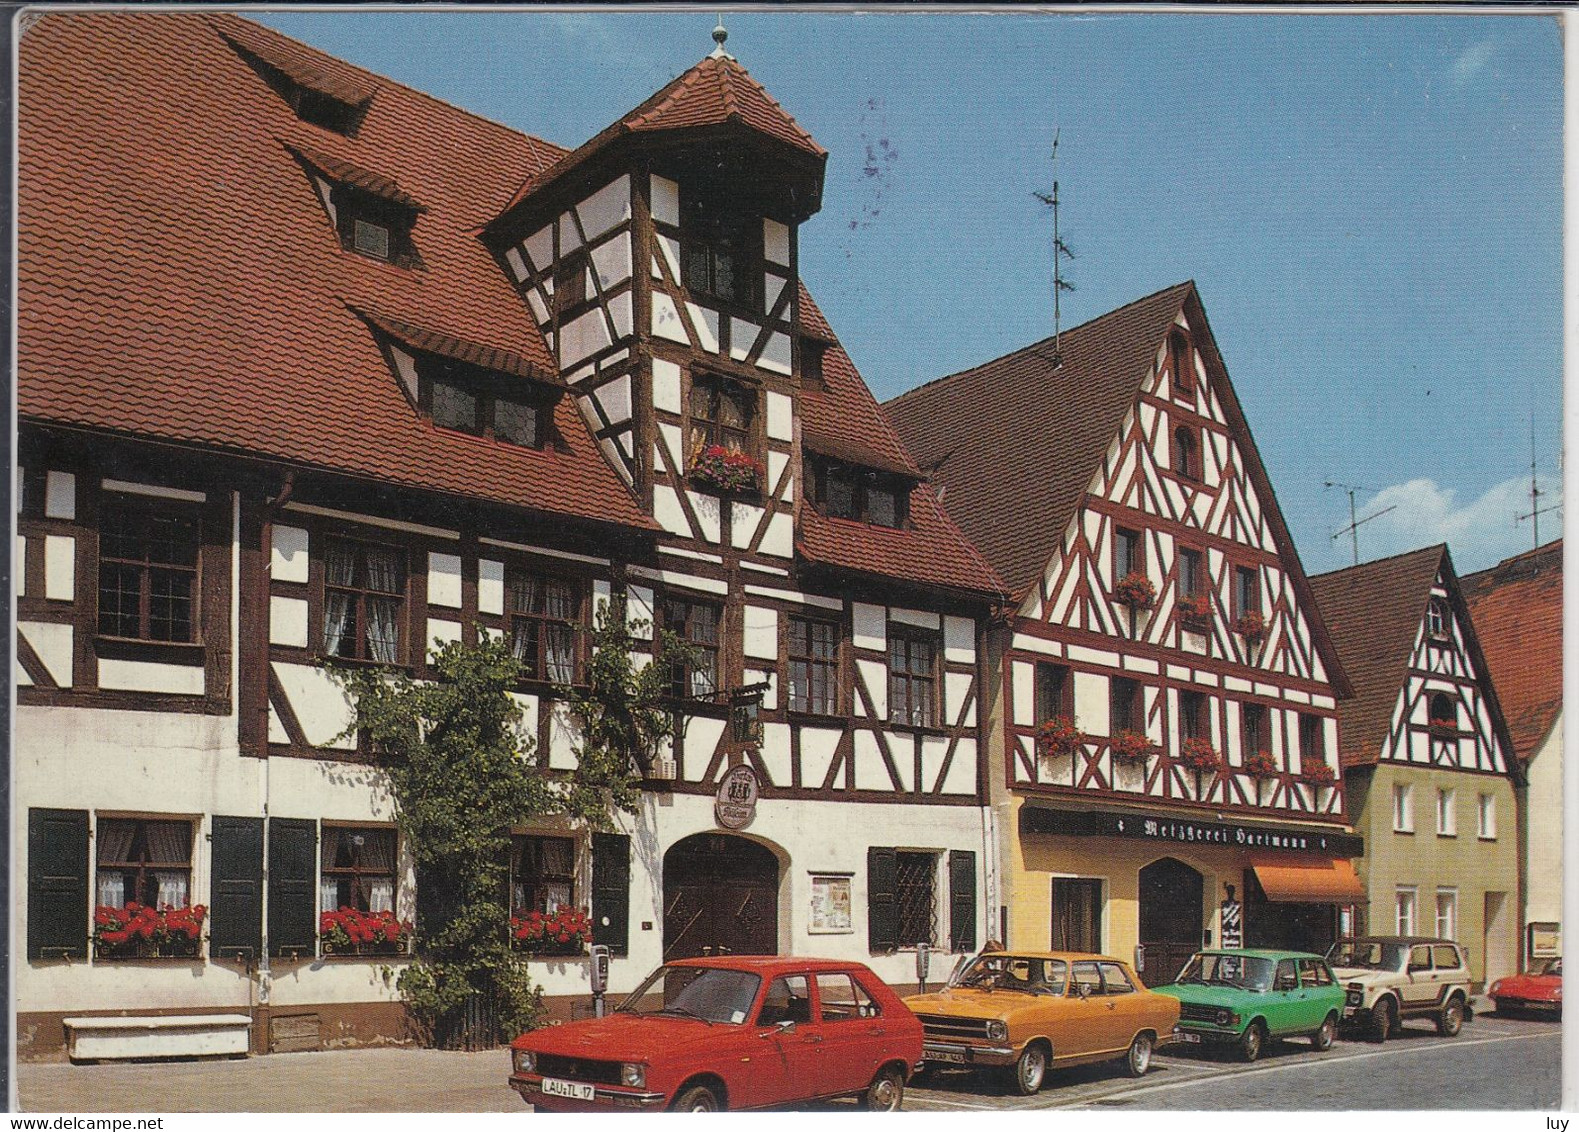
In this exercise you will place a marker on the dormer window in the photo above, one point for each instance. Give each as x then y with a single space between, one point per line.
370 212
722 249
472 400
369 238
847 491
332 97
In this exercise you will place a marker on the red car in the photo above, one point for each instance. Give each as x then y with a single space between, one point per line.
1539 989
732 1032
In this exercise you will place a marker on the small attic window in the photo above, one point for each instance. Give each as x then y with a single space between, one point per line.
1179 361
374 227
469 399
369 238
320 109
848 491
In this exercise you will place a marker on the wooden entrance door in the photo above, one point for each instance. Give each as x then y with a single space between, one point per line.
1077 915
720 897
1170 918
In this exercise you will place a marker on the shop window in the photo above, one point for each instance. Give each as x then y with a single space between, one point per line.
694 676
814 665
1077 915
144 861
1403 808
1447 813
1486 817
542 873
1404 902
364 600
356 869
1055 692
544 614
1125 709
912 676
148 569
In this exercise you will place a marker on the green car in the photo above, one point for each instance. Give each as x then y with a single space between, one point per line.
1245 997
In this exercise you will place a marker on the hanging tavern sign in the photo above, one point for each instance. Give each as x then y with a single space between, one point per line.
736 802
1146 827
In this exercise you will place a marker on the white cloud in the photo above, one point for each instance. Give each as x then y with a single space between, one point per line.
1480 532
1471 61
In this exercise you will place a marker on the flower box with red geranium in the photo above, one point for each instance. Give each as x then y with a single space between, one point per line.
1318 774
1195 611
138 931
723 469
565 932
1261 765
1130 747
1059 736
1135 590
1199 755
1251 626
347 931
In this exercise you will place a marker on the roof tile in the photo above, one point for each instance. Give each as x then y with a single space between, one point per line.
1518 610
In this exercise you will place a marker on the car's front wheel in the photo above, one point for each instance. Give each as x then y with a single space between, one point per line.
1252 1042
1031 1069
1451 1020
1138 1060
886 1092
1322 1038
698 1098
1383 1018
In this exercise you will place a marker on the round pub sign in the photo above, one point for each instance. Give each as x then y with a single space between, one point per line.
736 803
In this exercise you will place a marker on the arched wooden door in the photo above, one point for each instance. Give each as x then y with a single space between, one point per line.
720 897
1170 918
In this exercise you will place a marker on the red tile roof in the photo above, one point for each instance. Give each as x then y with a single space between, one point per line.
715 91
303 65
1518 610
1016 442
179 278
349 173
1374 612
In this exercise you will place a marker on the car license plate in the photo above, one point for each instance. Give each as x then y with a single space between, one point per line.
952 1056
554 1087
1186 1036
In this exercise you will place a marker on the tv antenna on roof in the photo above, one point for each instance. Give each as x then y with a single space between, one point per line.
1060 253
1353 529
1536 510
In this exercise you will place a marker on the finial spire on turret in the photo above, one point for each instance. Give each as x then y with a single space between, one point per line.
720 34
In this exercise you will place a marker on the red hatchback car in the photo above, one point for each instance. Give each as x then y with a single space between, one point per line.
1538 990
733 1032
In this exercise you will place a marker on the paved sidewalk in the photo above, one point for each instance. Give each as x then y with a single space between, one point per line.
359 1080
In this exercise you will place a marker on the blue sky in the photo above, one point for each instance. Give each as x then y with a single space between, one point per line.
1371 207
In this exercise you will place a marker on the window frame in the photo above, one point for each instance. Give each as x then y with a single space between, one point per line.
1179 362
324 589
709 223
1403 807
572 295
1194 715
486 390
141 870
926 862
1130 693
1192 580
677 617
1134 545
575 624
1486 807
540 876
150 510
1247 590
1312 727
1255 729
353 205
822 471
912 678
1053 691
357 874
704 431
1185 453
1451 905
1406 896
832 667
1446 811
1439 620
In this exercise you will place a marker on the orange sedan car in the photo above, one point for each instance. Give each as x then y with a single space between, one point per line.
1029 1011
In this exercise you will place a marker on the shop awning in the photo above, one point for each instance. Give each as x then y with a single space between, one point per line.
1304 881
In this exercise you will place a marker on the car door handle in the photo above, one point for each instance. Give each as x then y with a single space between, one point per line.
812 1038
877 1030
1111 1005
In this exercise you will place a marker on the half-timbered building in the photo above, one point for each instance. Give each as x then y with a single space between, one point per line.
1427 756
1163 721
313 366
1518 610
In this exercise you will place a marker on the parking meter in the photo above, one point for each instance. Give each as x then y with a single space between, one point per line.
1140 958
923 963
600 976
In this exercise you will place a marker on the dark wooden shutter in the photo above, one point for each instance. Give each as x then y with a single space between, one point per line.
57 884
962 900
611 891
882 899
293 883
235 895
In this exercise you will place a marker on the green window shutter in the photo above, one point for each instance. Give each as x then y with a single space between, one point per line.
235 895
611 891
962 900
293 886
882 899
57 884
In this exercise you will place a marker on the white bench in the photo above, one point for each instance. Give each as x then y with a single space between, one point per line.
166 1035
